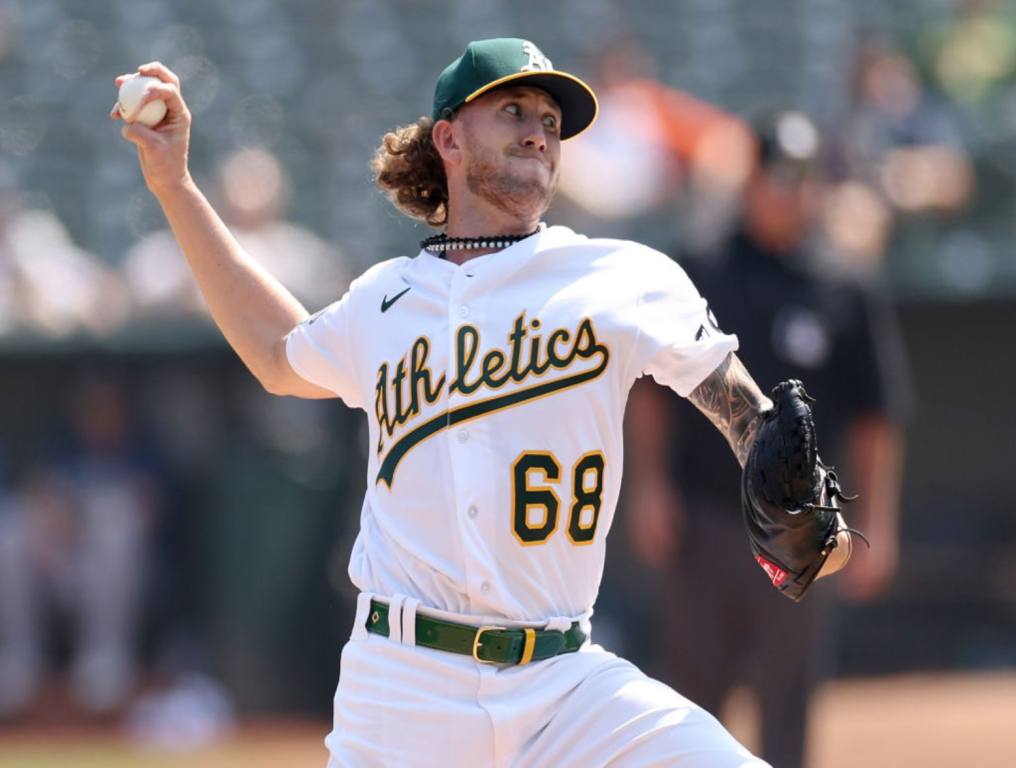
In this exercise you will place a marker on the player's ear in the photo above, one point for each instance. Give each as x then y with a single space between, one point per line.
446 142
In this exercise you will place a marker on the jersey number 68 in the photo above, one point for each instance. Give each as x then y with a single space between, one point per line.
535 503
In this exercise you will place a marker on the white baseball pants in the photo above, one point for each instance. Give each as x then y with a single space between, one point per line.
400 705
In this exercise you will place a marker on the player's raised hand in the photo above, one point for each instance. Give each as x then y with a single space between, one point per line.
162 150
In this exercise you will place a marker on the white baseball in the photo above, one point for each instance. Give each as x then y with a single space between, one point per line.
129 99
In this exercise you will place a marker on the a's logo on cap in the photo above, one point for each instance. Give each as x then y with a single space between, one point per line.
537 61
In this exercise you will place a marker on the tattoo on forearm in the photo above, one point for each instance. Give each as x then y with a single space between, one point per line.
731 400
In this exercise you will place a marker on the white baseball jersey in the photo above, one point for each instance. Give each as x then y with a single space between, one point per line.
495 393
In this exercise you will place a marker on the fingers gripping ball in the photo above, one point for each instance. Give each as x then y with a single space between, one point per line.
129 99
791 501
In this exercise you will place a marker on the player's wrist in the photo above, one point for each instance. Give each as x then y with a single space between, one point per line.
166 191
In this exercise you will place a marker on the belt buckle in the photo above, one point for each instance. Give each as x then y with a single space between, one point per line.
477 643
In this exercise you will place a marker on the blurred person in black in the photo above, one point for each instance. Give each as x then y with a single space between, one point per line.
725 626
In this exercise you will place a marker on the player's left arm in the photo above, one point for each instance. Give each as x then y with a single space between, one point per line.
733 402
783 476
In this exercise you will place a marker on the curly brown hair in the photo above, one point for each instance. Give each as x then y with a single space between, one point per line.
409 169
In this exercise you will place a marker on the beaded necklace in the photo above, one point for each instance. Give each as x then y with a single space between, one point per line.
441 243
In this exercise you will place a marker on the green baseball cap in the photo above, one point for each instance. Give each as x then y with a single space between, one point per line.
489 64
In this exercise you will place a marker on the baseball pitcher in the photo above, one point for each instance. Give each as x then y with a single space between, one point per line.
494 366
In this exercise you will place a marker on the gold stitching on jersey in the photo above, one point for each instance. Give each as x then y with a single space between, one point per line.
419 388
399 398
482 407
551 478
576 508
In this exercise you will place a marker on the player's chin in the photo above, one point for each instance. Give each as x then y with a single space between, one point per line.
538 180
530 166
531 196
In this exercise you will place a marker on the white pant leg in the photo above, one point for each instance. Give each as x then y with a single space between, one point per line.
618 717
399 705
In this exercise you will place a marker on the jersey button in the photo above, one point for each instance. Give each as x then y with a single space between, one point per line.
472 511
464 311
485 587
463 435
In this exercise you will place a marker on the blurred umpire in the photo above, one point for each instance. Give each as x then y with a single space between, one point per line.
725 625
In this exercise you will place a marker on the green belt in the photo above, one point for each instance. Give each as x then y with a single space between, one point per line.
489 644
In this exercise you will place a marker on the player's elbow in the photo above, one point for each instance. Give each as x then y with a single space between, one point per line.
272 372
282 381
273 385
277 377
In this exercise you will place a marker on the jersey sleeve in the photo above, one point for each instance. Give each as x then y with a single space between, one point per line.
320 350
680 342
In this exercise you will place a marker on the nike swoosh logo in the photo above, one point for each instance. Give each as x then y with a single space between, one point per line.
386 303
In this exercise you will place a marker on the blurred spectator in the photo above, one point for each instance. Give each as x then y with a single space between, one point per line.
900 140
49 285
723 625
78 555
975 53
856 227
649 143
285 494
253 190
17 646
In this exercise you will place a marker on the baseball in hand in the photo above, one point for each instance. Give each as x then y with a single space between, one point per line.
129 98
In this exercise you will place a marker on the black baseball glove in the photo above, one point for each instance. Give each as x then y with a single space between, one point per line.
790 499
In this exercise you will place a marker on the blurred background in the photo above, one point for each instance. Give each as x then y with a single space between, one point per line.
173 541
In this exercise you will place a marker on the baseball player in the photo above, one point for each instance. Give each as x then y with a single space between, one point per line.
493 366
